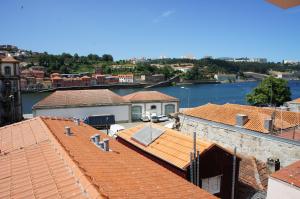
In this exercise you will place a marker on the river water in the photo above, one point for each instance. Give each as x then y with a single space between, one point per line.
189 95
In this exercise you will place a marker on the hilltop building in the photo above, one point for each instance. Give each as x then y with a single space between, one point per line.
10 95
60 158
148 102
172 150
285 183
264 133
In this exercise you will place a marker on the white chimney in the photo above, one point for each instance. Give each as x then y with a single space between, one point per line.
68 131
241 120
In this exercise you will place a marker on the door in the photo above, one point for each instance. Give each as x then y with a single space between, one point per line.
169 108
136 113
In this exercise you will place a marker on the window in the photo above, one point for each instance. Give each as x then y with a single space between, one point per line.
7 70
212 185
153 107
169 108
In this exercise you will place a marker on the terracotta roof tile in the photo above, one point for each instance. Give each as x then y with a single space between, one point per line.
71 98
144 96
296 100
289 174
122 172
226 114
171 146
30 167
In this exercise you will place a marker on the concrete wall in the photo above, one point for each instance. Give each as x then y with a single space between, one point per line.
121 112
278 190
248 142
294 106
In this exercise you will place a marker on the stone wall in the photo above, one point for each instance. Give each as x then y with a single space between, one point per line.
247 142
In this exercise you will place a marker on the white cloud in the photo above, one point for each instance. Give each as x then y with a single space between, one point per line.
163 15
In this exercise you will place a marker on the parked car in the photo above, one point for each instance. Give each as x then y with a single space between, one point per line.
154 118
162 118
145 118
114 129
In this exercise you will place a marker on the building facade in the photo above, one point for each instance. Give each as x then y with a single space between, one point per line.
248 128
10 94
145 103
294 105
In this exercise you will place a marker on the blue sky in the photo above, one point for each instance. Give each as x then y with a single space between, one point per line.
150 28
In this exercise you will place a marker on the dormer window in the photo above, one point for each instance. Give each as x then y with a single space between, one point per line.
7 71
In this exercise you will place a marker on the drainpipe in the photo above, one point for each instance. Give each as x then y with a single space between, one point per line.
233 174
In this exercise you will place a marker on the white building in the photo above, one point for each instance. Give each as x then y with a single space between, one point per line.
285 183
83 103
125 78
225 77
148 102
294 105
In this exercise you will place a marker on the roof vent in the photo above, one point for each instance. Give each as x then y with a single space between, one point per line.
241 120
68 131
106 144
77 121
268 124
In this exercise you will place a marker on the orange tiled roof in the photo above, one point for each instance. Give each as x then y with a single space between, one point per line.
226 114
171 146
29 165
285 3
144 96
122 172
296 100
9 59
70 98
289 174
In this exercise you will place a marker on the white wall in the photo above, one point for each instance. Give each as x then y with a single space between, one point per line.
7 64
160 107
280 190
121 112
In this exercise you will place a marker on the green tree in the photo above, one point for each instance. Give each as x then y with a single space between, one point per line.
270 91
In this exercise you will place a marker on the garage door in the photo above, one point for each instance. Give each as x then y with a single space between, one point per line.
136 113
169 108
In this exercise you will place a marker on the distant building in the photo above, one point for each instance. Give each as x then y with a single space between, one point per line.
259 60
260 132
294 105
153 78
172 150
285 183
83 103
148 102
10 91
291 62
225 77
125 78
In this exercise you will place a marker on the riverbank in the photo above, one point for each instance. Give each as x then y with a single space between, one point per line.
190 96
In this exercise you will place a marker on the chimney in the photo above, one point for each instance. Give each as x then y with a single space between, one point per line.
241 120
268 125
97 139
68 131
77 121
273 164
106 144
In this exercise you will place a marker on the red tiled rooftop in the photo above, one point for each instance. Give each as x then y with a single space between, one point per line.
285 3
289 174
122 172
144 96
226 114
30 167
77 98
